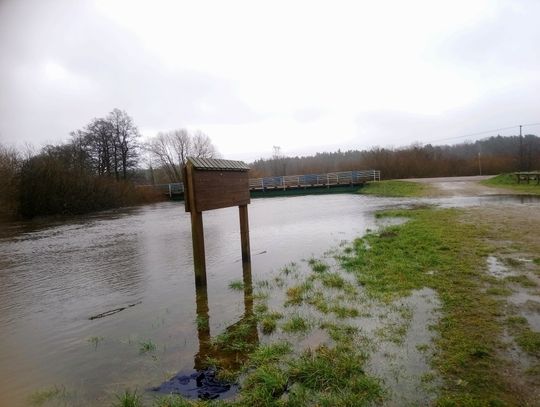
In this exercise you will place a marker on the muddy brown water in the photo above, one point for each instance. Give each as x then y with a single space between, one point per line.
56 274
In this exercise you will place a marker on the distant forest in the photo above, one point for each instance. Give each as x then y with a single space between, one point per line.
489 156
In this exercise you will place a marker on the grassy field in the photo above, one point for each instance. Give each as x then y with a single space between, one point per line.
368 282
393 188
510 181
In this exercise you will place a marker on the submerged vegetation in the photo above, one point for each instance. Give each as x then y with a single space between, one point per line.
128 399
44 396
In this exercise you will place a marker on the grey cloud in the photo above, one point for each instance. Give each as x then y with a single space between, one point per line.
505 41
508 107
117 70
308 114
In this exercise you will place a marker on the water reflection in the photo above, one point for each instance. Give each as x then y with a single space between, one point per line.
244 330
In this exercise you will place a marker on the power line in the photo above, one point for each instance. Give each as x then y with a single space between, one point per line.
485 132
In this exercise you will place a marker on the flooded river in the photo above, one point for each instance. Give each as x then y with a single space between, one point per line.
56 275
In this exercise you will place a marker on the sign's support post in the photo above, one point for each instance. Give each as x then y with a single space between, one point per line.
197 234
197 231
244 234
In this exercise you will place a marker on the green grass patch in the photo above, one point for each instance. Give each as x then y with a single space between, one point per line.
336 376
510 181
296 294
527 339
500 291
393 188
173 401
469 331
341 333
343 311
317 266
269 353
146 346
333 280
522 280
40 397
238 338
128 399
236 285
268 325
289 269
296 324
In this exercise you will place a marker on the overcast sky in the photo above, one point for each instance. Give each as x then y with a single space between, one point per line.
304 75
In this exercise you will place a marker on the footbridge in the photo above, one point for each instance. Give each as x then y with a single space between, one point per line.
289 182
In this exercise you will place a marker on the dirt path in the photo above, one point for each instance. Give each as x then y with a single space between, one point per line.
460 186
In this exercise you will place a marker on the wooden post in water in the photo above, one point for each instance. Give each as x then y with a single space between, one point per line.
197 229
244 234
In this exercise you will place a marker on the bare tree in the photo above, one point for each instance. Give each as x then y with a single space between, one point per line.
124 135
171 150
110 143
162 150
202 146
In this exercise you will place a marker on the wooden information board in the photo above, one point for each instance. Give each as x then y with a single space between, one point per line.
213 184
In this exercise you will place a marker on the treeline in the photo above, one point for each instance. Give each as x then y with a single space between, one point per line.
489 156
90 172
100 167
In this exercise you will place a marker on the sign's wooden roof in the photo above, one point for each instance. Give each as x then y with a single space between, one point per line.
216 164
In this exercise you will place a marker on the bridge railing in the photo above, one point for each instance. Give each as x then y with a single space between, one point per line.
332 178
295 181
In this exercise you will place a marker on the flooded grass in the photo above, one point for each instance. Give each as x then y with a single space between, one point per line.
411 314
526 338
146 346
401 261
44 396
296 324
522 280
95 340
236 285
317 265
128 399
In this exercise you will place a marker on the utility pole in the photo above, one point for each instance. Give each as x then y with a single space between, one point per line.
520 148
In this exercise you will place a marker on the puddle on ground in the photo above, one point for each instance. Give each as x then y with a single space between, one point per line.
404 366
497 269
529 307
390 221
